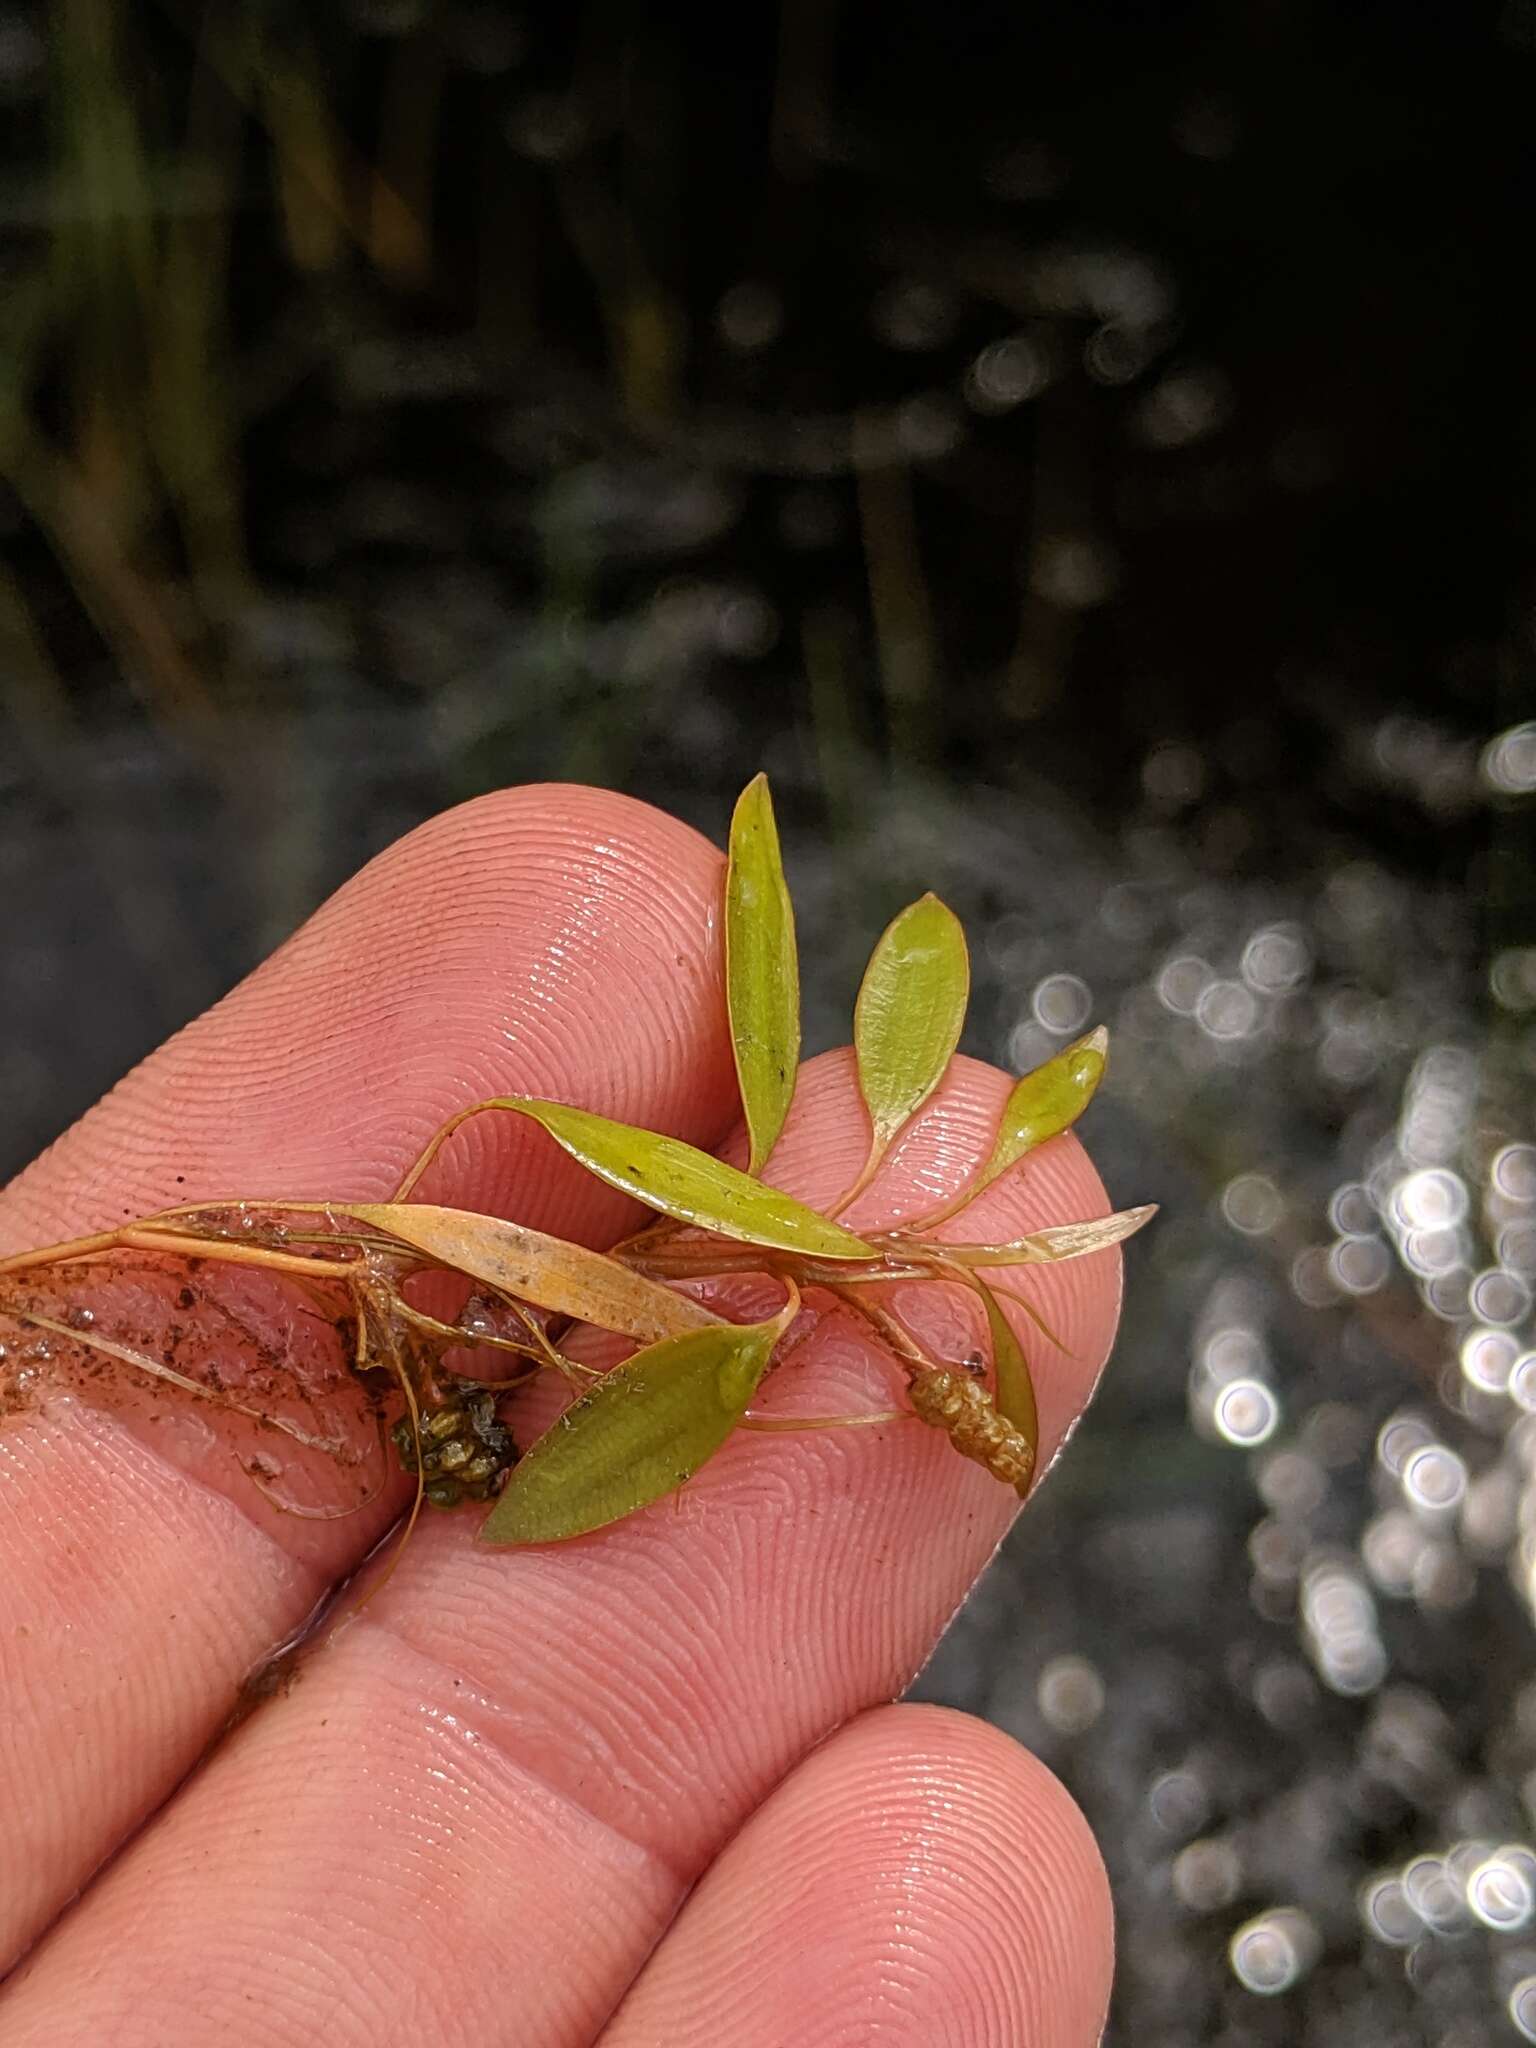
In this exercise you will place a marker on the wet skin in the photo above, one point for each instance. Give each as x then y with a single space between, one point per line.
644 1787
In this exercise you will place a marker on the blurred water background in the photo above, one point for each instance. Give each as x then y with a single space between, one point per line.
1085 455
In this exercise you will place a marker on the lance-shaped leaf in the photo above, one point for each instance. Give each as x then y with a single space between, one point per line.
639 1434
546 1271
685 1183
1041 1104
1044 1102
906 1023
1014 1387
762 971
1061 1241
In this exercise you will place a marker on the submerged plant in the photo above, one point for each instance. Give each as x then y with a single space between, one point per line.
639 1432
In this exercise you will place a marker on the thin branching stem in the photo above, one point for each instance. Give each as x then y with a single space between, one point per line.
785 1424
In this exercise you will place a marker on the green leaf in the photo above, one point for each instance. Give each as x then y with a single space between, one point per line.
762 971
906 1023
1014 1387
546 1271
1046 1101
639 1434
688 1184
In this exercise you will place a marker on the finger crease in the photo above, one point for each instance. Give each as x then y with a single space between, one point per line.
488 1727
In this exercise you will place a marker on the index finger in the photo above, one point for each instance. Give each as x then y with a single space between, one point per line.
555 940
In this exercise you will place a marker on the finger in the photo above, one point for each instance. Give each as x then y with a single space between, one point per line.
551 940
919 1878
508 1771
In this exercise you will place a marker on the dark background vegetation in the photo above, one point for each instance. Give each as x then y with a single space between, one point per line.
1085 454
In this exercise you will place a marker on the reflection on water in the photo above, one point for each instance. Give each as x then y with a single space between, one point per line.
1291 1555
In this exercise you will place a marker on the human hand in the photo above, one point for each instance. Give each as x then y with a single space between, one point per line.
637 1789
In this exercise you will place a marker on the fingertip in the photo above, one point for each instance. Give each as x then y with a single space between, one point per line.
919 1875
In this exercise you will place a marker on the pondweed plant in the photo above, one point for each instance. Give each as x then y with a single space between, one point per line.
639 1432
